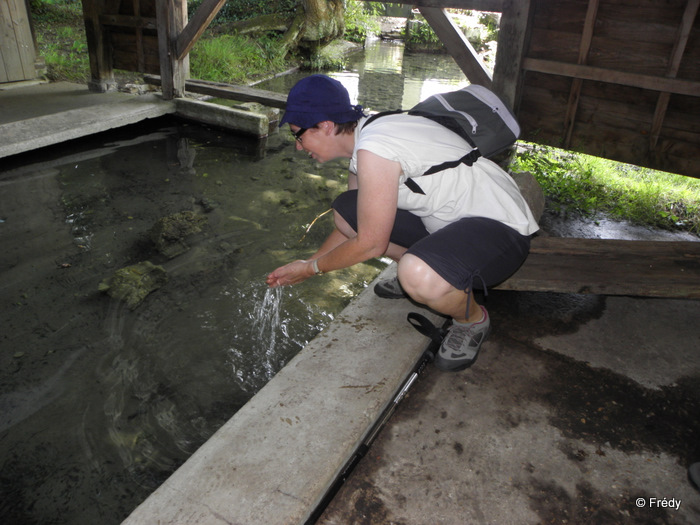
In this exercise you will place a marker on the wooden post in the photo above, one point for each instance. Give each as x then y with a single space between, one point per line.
99 48
457 45
200 21
684 29
577 83
512 39
171 16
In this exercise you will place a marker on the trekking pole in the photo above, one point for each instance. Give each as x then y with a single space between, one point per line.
424 326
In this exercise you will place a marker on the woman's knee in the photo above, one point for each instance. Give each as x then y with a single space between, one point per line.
343 226
345 205
420 281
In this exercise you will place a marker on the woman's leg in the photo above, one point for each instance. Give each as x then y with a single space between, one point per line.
441 269
408 228
394 251
427 287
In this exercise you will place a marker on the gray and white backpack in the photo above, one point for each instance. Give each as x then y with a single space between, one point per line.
476 114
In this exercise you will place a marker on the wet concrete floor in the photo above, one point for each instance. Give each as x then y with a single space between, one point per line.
580 409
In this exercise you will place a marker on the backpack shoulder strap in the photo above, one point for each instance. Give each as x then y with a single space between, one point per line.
382 114
447 122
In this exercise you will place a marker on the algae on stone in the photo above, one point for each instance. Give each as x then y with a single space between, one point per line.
170 232
132 284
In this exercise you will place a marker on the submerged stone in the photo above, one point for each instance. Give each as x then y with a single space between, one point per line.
170 232
132 284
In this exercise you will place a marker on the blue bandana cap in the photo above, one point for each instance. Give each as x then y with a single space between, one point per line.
318 98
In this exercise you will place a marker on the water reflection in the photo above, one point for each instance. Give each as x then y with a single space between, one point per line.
386 76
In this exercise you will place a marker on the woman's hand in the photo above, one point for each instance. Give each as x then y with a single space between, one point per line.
292 273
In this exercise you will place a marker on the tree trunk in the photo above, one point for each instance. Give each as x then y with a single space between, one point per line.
260 24
317 23
324 20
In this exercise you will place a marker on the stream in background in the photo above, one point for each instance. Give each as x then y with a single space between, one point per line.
100 403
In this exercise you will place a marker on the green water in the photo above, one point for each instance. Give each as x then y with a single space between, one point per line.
100 403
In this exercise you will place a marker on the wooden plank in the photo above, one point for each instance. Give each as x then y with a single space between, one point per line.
110 6
610 127
494 6
561 46
3 72
134 22
628 27
205 13
610 267
139 38
126 53
458 46
684 29
165 51
99 50
171 16
229 91
574 94
644 58
9 45
24 38
670 85
513 34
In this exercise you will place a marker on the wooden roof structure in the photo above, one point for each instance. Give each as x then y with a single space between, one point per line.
618 79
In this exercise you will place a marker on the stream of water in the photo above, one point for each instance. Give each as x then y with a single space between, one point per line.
99 402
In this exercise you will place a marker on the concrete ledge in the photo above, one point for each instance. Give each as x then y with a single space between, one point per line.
37 132
246 120
275 459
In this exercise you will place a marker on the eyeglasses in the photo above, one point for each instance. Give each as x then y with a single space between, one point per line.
298 133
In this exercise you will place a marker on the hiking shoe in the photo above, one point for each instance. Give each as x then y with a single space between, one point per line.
461 345
389 289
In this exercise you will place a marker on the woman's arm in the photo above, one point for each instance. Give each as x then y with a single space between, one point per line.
378 183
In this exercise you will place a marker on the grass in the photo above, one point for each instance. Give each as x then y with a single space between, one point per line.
235 59
223 58
594 186
61 40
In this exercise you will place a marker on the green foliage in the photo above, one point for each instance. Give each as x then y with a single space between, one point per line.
331 57
420 34
481 29
591 185
56 11
360 20
234 58
64 49
243 9
490 21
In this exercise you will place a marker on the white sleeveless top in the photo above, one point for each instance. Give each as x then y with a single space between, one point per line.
417 144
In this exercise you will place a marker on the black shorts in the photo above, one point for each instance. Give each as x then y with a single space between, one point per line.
473 252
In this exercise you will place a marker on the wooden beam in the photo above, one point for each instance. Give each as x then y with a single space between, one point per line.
171 16
99 49
610 267
513 34
575 92
650 82
139 37
458 46
494 6
684 29
205 13
110 6
229 91
134 22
